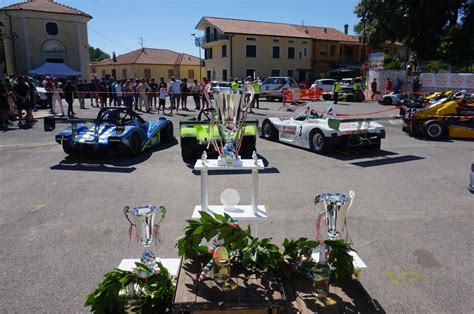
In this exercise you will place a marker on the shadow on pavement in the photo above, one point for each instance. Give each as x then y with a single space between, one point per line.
108 162
386 161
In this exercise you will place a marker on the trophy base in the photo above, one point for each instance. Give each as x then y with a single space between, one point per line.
237 162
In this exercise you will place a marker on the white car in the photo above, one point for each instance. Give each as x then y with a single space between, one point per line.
272 88
471 185
325 84
390 99
321 133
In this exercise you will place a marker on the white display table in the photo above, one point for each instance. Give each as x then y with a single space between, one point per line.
251 212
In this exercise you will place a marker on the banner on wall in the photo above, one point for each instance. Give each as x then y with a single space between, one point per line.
376 61
447 80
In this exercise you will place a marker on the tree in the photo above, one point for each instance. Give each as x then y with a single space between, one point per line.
423 25
96 55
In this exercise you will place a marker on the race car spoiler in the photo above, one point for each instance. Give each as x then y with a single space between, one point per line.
334 123
50 122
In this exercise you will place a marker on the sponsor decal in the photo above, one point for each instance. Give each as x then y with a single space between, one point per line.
426 79
288 130
441 79
456 80
470 81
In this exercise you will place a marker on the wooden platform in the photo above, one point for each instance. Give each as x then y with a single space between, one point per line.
253 293
349 296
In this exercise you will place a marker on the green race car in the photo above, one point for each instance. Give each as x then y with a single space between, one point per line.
194 137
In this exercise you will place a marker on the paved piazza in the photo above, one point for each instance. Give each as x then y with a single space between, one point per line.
62 227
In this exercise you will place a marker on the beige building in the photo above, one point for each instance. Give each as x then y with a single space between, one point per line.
151 63
239 48
38 31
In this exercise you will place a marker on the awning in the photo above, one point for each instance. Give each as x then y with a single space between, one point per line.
55 69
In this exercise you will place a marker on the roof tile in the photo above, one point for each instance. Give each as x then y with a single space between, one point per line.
153 56
45 6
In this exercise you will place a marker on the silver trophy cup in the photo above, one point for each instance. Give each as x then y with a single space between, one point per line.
146 219
231 106
331 223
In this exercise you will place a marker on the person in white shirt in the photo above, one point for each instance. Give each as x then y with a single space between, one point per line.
57 91
175 93
143 90
196 92
162 100
118 93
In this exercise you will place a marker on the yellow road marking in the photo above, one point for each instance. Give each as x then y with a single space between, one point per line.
37 207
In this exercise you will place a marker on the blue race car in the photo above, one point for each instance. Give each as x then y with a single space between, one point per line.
115 129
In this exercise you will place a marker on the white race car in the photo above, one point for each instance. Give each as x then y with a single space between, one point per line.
321 133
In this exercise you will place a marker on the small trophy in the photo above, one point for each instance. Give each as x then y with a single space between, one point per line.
146 219
231 109
334 207
221 267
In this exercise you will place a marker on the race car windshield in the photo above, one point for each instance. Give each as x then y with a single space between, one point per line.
110 115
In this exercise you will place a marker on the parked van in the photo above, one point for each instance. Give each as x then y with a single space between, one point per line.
272 87
350 81
325 84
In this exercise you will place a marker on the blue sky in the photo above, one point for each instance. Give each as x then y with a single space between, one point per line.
169 23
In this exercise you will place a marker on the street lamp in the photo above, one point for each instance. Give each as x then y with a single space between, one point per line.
197 42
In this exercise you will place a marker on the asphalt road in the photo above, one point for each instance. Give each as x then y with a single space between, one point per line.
62 227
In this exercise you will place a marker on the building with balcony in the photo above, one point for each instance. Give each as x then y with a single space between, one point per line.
35 32
239 48
150 63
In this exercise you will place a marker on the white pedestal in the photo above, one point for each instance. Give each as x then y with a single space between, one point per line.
247 164
241 212
171 264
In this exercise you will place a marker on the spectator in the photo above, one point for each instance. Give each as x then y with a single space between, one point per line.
127 89
335 90
206 101
48 86
373 88
154 93
184 94
93 89
398 86
22 95
57 93
69 93
81 93
143 89
196 92
388 86
118 93
175 91
162 100
135 94
416 84
4 108
102 91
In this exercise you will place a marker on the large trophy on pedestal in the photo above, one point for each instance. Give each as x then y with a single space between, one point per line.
331 223
146 219
231 106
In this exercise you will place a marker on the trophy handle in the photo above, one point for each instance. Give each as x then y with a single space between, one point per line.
161 215
351 194
316 199
126 210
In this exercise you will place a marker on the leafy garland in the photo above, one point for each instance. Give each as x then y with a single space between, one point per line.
261 254
155 294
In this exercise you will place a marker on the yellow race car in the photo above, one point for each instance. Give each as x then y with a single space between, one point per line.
449 117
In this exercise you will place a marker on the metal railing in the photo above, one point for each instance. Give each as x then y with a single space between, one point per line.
199 41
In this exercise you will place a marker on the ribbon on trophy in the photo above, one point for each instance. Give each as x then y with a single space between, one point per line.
215 244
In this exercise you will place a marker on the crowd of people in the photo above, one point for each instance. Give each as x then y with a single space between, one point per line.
17 96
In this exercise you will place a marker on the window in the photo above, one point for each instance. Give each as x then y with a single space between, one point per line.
305 51
332 50
104 73
224 75
291 52
224 51
190 74
300 54
275 72
208 53
291 41
251 51
124 73
251 39
304 42
114 73
276 40
170 73
290 73
147 73
208 74
276 52
52 28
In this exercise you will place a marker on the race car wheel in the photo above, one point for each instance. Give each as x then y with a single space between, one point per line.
189 149
387 101
269 132
320 144
167 133
248 147
433 130
349 98
68 149
135 146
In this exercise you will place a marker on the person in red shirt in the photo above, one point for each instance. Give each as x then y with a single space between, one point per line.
388 86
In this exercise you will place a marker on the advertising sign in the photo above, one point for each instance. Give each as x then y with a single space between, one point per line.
448 80
376 61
